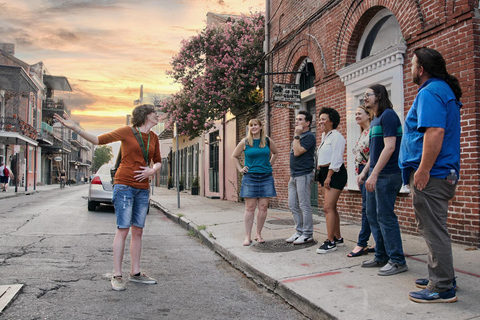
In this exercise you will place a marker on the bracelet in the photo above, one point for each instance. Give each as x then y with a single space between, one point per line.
79 130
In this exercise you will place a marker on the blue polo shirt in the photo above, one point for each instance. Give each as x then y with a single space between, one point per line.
434 106
387 125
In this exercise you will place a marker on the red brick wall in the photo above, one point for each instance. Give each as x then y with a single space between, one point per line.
328 32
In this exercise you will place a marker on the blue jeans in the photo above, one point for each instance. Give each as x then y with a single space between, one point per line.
365 232
383 220
131 206
299 190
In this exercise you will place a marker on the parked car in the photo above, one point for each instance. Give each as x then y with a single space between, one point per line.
101 188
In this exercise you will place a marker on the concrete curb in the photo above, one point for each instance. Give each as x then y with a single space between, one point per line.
297 301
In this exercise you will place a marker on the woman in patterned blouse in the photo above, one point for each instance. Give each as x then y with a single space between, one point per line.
363 116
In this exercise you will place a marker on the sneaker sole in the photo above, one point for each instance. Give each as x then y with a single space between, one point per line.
326 251
434 301
144 282
391 273
302 242
118 289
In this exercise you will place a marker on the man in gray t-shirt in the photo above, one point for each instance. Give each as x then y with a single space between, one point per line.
302 164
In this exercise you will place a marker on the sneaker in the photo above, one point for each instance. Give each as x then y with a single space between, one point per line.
427 296
339 242
293 238
392 268
303 239
422 283
373 264
117 283
142 278
327 247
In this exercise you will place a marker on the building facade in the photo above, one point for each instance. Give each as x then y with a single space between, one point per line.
342 47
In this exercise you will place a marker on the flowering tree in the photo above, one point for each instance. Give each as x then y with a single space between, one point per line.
218 70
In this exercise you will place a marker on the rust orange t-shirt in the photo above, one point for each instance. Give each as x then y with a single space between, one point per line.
132 154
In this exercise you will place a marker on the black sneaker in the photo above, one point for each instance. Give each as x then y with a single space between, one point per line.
338 242
327 246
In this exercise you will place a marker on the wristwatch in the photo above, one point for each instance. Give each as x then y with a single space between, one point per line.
296 137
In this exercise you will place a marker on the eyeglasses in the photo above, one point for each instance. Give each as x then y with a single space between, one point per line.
368 95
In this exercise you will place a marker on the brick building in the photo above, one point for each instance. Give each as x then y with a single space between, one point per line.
348 45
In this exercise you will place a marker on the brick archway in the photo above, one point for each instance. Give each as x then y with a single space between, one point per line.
409 14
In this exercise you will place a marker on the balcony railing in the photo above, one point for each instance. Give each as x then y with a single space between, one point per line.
15 124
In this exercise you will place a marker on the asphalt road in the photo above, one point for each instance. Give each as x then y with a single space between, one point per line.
63 255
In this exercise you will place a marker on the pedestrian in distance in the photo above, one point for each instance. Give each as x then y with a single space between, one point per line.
430 163
139 148
383 180
302 165
5 175
332 175
363 117
257 183
62 178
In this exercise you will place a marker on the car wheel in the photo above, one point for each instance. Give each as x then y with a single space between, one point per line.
92 205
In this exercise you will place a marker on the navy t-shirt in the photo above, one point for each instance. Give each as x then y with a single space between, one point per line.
304 163
387 125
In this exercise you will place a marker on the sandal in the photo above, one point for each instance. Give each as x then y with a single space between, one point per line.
358 254
246 243
371 249
259 240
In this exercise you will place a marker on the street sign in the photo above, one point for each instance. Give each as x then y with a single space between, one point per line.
287 92
58 159
288 105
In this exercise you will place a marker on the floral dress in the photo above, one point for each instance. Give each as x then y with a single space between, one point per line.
362 150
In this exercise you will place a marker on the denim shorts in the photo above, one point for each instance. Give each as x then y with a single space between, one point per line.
258 185
131 206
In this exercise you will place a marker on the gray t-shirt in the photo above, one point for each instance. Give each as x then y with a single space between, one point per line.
305 163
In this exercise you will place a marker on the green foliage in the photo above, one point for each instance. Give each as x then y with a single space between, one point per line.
102 155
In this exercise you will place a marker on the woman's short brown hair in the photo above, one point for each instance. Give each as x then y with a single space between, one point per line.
140 113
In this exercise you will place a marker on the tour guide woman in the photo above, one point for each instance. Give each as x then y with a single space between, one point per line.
257 182
131 189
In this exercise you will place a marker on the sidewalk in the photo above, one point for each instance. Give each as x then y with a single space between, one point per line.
21 190
327 286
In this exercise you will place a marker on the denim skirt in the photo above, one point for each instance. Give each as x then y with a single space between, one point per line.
258 185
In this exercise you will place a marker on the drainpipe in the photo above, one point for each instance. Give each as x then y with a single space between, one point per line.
266 48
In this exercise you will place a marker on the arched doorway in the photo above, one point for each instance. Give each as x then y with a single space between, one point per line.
379 59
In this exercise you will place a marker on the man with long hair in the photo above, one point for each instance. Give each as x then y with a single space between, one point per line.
430 161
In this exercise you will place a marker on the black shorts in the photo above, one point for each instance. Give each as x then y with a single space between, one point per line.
3 179
339 179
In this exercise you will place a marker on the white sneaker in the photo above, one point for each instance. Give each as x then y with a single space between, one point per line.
293 238
303 239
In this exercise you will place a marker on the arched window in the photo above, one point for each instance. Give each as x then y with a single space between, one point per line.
381 33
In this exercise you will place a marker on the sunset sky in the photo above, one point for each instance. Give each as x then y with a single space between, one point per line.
108 48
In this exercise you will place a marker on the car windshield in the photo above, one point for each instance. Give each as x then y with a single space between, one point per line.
105 169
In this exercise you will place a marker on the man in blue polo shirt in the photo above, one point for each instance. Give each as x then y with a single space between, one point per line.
430 163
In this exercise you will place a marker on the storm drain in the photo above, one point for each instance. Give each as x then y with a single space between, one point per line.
279 245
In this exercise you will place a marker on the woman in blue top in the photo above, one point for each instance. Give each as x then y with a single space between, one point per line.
257 182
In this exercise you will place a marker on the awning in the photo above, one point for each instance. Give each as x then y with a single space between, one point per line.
16 138
59 83
16 79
